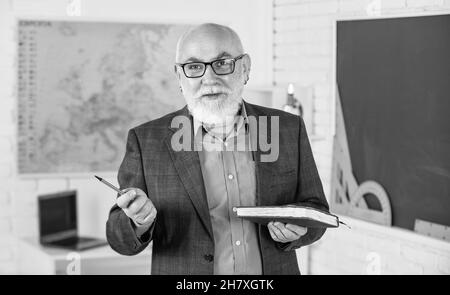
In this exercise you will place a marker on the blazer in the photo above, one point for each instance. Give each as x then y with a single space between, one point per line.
182 235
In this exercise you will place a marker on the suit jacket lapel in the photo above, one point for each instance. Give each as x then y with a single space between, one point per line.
263 170
187 164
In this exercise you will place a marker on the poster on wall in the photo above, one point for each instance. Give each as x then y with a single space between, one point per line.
83 85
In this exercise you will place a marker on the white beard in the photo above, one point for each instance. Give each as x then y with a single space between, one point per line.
215 112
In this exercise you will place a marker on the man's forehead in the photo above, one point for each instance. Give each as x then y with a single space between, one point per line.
208 43
206 51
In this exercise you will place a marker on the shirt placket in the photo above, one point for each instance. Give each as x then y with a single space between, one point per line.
237 232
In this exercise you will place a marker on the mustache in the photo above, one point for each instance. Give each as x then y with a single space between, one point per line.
213 90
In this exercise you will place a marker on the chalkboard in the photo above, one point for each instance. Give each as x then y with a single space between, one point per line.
393 77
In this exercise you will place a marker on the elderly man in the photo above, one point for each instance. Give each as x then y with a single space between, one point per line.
183 200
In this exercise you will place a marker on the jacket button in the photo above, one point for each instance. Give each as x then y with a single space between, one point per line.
208 257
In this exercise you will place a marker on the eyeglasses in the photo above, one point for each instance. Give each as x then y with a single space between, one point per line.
224 66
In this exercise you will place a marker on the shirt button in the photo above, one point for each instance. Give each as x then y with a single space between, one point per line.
238 243
230 176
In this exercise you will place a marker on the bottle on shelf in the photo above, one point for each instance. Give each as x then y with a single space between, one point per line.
292 105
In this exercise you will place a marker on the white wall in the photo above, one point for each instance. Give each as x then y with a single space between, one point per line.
18 210
303 55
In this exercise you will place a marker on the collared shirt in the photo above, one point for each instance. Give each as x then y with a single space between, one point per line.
229 175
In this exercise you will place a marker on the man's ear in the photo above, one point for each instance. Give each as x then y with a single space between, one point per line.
177 73
246 66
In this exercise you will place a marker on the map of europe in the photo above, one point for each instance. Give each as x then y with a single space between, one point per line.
83 85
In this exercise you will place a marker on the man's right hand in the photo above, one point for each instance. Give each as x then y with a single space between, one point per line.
137 206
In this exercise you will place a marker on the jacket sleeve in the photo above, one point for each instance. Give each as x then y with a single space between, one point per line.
309 190
120 229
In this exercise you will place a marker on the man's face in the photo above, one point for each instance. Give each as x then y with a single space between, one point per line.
216 95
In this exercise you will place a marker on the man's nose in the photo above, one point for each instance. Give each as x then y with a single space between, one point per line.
209 75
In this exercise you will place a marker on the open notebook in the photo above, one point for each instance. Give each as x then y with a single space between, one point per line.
299 215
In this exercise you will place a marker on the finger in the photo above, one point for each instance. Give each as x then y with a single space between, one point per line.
150 217
280 230
272 234
299 230
137 205
145 210
288 234
139 192
277 233
124 200
153 212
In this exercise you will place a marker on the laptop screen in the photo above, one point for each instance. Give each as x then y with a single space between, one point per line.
57 213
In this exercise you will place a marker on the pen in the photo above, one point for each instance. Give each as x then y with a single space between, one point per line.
109 184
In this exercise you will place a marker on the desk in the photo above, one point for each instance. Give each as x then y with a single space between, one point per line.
37 259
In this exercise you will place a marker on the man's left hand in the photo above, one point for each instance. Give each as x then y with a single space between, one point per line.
285 233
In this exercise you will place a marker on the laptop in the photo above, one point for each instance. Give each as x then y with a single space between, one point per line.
58 222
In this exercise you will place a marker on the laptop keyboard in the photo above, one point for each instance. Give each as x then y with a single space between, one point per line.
73 241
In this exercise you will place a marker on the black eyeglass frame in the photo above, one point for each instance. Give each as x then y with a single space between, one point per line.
235 59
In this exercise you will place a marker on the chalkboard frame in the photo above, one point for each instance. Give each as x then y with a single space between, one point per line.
334 93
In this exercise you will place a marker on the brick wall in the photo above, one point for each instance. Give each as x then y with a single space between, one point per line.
303 55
